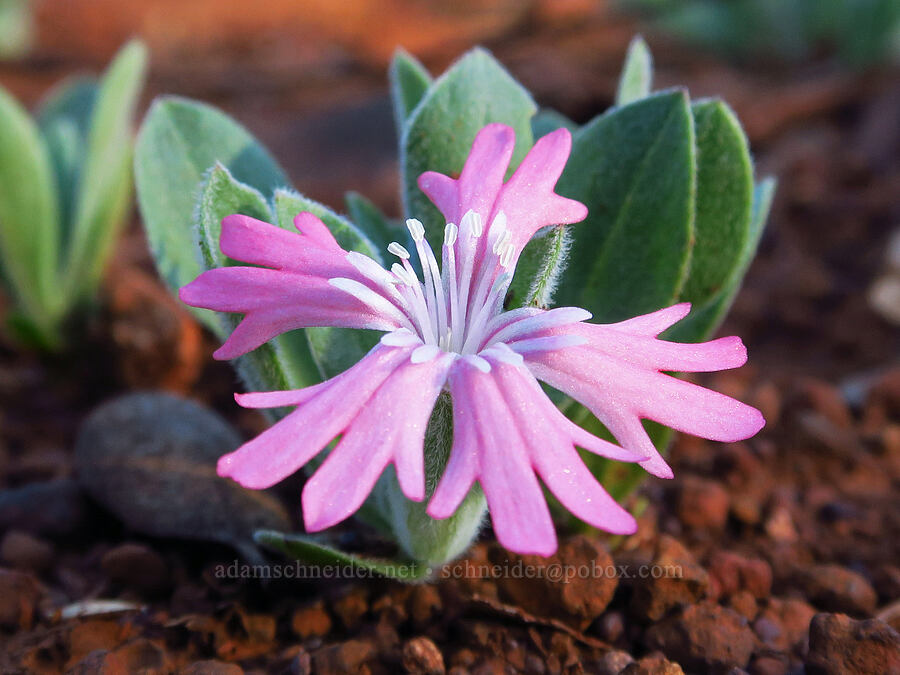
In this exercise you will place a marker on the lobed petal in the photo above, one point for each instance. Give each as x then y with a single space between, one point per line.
292 290
390 428
289 444
616 374
506 431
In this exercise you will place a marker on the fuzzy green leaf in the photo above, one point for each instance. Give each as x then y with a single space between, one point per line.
178 141
319 555
409 82
285 362
475 92
724 200
637 74
635 169
547 120
378 228
29 217
334 350
539 268
104 184
703 320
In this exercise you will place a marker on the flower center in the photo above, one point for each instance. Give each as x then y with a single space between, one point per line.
451 308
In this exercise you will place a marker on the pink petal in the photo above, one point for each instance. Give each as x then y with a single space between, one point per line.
654 323
390 428
288 445
259 243
293 289
528 199
518 510
275 302
482 176
505 430
616 375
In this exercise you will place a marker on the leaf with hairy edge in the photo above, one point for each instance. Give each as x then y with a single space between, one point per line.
635 169
179 140
637 73
474 92
539 268
409 81
317 554
264 368
378 228
724 200
703 321
334 350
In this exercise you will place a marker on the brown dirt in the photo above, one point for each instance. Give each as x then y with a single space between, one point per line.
798 526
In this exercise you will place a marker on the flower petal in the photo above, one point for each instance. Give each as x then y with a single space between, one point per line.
506 429
275 302
390 428
528 199
478 185
285 447
293 290
616 375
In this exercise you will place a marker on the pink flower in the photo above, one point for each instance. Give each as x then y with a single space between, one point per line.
450 332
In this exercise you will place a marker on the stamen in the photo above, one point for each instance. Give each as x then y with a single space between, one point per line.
506 256
475 333
451 231
474 222
416 229
369 297
398 250
502 242
402 275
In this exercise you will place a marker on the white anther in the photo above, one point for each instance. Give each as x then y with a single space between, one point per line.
506 256
402 275
502 240
416 229
451 231
474 222
398 250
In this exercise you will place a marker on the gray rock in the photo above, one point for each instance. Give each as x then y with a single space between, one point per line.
51 508
150 458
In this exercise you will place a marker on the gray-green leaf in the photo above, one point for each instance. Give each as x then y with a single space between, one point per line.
475 92
178 141
635 169
724 199
409 82
104 182
637 74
